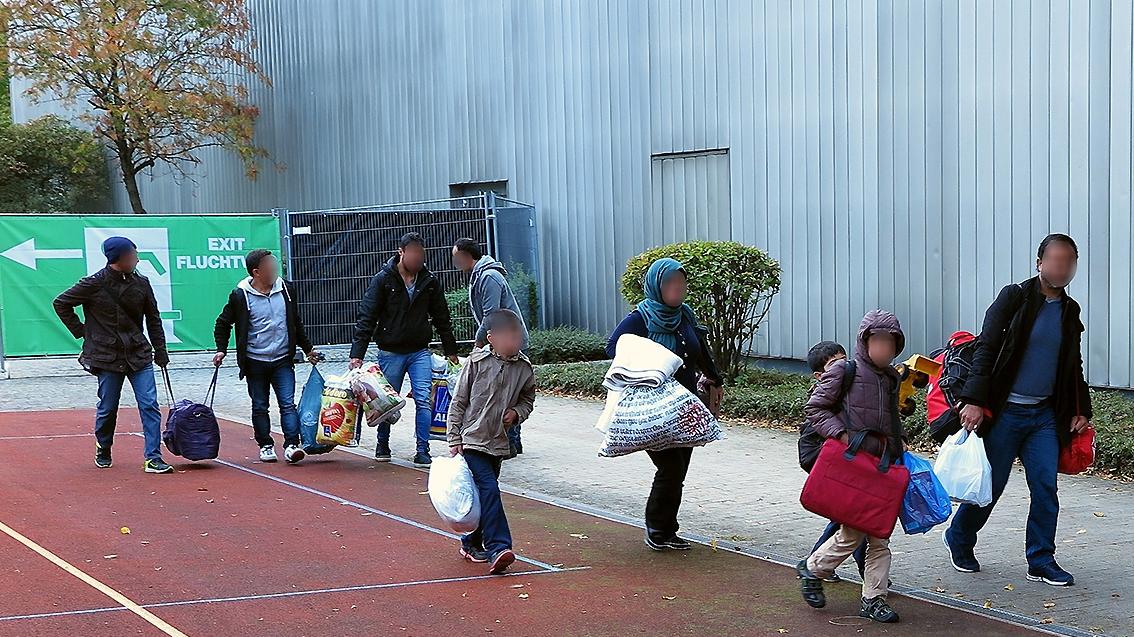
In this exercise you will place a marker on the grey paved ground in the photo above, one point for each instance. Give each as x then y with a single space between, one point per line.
745 489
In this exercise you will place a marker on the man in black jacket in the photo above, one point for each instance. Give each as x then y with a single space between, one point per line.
396 313
115 301
268 329
1028 372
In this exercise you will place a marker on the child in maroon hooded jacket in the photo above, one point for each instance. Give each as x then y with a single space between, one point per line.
871 406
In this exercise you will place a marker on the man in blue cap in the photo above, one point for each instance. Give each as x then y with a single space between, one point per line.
115 301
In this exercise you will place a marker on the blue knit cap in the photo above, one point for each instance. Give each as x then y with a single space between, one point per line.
115 247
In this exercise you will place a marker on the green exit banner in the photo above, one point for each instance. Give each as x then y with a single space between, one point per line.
192 262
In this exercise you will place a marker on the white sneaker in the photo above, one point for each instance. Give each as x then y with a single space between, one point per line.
294 454
268 453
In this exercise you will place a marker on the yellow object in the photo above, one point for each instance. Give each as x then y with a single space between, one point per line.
125 530
915 374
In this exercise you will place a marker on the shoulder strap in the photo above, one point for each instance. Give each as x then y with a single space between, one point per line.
850 368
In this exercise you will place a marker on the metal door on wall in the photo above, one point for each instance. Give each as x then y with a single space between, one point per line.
691 196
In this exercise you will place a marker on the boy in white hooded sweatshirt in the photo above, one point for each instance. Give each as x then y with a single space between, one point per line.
268 329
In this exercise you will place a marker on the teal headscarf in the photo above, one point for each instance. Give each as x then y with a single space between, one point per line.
663 321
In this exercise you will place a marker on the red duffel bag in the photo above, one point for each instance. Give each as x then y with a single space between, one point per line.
855 488
1079 454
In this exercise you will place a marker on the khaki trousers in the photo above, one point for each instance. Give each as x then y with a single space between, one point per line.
875 581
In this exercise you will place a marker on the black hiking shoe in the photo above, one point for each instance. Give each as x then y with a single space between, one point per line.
810 586
102 458
878 610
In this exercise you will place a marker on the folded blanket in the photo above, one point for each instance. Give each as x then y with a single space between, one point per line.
640 362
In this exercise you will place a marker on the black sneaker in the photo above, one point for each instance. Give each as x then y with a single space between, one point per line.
878 610
422 460
157 466
474 555
677 544
1051 575
833 579
656 543
962 559
382 453
102 458
810 587
502 561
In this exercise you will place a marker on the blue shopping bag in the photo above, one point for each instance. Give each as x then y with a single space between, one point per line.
310 404
926 503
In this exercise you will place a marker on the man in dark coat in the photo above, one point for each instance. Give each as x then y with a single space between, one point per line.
116 301
399 311
1028 372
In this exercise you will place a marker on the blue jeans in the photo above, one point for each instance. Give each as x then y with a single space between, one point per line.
493 533
263 377
859 553
145 392
419 365
1026 432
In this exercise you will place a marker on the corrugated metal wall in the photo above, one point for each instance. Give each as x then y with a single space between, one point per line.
908 155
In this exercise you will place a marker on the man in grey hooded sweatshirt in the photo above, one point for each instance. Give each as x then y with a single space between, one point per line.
488 292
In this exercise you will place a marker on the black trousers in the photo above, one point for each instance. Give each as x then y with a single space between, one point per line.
665 496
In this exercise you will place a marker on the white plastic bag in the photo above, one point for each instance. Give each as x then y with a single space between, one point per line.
657 418
378 398
963 468
453 493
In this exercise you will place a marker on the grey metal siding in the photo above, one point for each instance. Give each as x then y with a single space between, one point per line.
907 155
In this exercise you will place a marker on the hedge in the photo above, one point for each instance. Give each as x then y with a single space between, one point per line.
566 345
776 399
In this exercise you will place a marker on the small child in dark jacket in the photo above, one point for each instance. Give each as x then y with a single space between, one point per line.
820 358
496 392
871 407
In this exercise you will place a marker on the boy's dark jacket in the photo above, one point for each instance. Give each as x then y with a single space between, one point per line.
1003 340
387 316
871 402
235 313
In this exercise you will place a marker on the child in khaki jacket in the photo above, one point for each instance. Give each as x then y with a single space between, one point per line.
496 392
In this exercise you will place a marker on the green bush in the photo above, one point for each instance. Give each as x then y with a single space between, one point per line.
50 166
524 287
573 379
464 325
566 345
731 286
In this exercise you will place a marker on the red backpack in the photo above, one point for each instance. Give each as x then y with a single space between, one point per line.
945 387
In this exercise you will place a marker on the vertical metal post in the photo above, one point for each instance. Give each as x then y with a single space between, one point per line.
490 224
284 217
4 372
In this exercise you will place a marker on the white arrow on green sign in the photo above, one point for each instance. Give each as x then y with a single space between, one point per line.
26 255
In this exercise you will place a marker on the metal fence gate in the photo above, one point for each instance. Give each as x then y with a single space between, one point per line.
330 255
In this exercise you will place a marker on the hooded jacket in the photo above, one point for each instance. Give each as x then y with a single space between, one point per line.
489 387
397 323
489 291
236 313
1001 347
871 403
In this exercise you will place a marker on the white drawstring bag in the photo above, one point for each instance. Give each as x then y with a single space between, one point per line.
963 468
454 494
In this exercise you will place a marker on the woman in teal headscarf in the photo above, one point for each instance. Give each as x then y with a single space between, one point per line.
664 318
